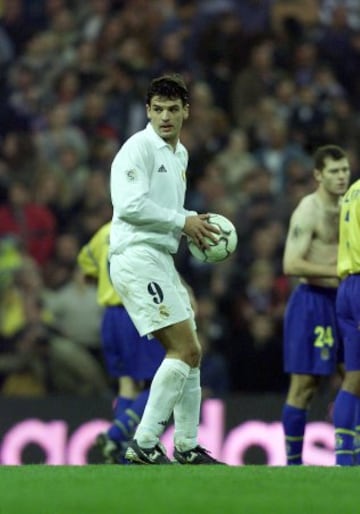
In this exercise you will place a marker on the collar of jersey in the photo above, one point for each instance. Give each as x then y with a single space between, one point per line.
159 142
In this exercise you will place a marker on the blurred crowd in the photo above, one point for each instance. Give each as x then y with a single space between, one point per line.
270 80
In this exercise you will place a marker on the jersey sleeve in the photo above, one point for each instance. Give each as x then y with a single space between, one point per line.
130 187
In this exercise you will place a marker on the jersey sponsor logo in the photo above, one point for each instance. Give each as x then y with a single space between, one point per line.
162 169
164 311
325 354
130 175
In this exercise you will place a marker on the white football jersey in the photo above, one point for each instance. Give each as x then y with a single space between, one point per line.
147 185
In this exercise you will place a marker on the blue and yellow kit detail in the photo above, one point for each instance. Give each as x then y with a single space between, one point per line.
349 233
93 260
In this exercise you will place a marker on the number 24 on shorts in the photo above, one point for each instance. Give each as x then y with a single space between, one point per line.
323 336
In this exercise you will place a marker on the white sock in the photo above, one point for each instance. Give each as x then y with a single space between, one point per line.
166 388
187 413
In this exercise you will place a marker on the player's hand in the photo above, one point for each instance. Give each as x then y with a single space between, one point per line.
200 230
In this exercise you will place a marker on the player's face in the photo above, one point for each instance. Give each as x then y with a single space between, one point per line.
166 117
335 176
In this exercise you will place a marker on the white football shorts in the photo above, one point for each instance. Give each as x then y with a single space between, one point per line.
150 288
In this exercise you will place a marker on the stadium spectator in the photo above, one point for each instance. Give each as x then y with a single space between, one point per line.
276 151
59 132
39 361
66 89
59 270
22 158
255 81
349 9
21 289
124 114
303 13
236 160
93 16
31 224
74 301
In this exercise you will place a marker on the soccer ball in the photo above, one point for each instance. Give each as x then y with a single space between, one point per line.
226 243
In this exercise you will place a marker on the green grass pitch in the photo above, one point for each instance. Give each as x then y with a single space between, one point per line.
96 489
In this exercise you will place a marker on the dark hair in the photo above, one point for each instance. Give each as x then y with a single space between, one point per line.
168 86
333 151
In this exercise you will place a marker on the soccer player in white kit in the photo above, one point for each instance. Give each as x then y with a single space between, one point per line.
148 184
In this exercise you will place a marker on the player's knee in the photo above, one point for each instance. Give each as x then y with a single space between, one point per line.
302 394
351 382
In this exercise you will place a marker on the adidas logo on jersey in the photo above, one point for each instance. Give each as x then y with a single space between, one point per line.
162 169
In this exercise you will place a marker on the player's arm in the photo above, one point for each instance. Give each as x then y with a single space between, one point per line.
198 229
86 262
89 256
298 241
